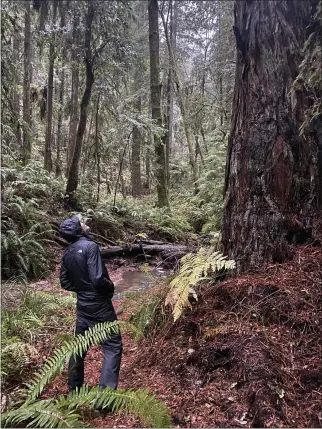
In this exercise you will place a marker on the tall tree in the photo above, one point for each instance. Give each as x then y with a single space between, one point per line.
181 102
26 152
97 148
136 141
48 162
61 96
271 190
173 15
72 181
75 87
15 93
156 102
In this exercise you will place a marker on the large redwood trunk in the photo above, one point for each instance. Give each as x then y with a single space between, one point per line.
271 190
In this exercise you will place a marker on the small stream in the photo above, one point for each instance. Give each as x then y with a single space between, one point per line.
136 280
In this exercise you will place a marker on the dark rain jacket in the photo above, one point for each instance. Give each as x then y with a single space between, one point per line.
82 268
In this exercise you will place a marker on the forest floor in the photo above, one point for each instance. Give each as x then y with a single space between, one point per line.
247 355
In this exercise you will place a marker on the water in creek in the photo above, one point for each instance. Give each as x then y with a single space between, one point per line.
133 281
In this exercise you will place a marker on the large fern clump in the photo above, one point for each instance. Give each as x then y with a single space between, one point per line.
24 319
193 269
26 229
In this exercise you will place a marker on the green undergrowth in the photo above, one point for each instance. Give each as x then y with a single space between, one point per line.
146 311
151 310
33 204
29 320
71 410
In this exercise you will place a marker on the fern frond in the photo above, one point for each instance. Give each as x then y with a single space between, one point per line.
193 269
54 364
42 414
63 412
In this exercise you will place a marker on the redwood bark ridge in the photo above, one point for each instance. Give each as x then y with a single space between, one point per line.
271 187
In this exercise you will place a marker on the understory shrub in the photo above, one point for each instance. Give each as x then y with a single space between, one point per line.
24 321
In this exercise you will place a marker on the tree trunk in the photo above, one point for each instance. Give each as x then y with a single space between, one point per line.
149 249
15 93
72 181
271 174
61 104
148 166
136 143
156 102
86 152
26 152
48 162
170 84
186 126
60 123
74 113
97 150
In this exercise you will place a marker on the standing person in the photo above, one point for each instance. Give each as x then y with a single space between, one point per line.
83 271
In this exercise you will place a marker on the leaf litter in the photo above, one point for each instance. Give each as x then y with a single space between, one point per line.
261 365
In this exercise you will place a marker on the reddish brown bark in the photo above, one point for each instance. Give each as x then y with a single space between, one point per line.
271 190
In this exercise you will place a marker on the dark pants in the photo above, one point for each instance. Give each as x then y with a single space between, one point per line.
87 317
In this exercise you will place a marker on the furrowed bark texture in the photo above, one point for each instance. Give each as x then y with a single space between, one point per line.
271 188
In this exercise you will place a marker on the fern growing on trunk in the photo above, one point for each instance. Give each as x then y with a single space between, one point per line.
193 269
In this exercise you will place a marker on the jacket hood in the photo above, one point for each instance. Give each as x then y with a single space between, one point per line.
70 229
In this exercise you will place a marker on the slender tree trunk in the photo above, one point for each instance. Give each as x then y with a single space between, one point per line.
15 93
271 174
156 102
86 149
48 162
170 84
204 138
148 168
97 150
187 128
26 152
59 144
136 144
74 114
198 150
72 181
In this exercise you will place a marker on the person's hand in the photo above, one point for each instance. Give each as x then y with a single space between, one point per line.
85 227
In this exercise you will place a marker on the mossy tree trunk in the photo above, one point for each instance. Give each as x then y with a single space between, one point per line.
26 143
48 162
156 103
271 188
72 181
136 181
74 113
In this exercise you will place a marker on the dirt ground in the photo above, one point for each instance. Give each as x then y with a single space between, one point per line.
247 355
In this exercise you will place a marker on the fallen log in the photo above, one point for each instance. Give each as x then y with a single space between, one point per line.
177 250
